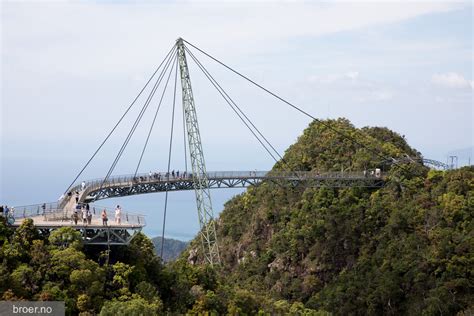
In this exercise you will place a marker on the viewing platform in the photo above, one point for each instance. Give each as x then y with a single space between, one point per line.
49 216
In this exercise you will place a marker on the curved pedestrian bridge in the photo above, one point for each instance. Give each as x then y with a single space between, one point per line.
160 182
50 216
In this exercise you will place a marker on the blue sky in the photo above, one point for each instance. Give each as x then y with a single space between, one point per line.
70 68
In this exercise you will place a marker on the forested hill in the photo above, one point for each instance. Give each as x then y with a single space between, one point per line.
404 249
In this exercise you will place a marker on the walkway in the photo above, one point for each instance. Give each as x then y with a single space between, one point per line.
159 182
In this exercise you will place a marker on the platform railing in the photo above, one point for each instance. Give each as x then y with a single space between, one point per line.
32 210
52 212
126 218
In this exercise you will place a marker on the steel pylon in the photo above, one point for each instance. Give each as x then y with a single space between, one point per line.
199 174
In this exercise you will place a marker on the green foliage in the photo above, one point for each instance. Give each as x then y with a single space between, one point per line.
65 237
404 249
135 306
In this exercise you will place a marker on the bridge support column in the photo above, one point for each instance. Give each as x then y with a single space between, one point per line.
201 182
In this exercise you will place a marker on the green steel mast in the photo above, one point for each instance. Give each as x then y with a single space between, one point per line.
199 174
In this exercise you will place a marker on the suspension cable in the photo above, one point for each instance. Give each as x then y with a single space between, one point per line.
169 159
137 121
233 106
154 118
344 135
119 121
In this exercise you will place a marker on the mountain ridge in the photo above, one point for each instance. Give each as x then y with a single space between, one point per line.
297 245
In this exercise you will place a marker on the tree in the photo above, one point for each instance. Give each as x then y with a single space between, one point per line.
65 237
135 306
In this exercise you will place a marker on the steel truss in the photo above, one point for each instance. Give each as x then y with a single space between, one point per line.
98 235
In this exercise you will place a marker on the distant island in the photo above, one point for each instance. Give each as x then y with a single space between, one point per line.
172 248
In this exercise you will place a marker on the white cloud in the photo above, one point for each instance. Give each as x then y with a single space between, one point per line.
82 38
452 80
350 76
375 94
381 95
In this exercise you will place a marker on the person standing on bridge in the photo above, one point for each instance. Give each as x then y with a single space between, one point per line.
83 185
77 197
104 217
118 215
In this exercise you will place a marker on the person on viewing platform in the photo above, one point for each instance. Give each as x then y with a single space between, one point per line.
89 216
83 185
104 218
118 214
77 197
84 216
75 217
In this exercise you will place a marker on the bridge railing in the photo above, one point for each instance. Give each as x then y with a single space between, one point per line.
372 174
52 212
96 212
32 210
126 217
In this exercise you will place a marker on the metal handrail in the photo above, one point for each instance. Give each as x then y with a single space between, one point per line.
55 213
25 211
126 217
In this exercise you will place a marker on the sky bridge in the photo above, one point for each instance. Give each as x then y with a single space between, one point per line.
196 177
126 185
